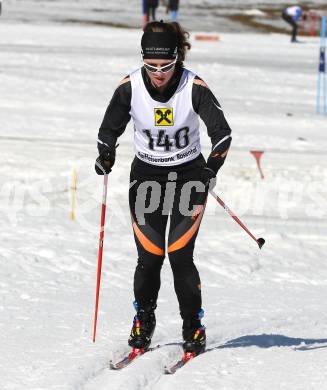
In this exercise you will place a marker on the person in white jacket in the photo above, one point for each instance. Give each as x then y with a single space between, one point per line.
292 15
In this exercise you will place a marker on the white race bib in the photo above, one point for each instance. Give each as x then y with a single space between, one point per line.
165 134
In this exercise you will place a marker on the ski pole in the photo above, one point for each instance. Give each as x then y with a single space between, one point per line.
103 219
259 241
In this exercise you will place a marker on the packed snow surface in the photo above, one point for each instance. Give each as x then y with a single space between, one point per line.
204 15
265 311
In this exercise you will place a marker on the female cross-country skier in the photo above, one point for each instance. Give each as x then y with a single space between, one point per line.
169 175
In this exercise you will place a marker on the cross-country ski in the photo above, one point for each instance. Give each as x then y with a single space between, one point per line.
127 360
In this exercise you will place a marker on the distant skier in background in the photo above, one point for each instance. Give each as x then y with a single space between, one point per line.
173 8
292 15
145 12
151 6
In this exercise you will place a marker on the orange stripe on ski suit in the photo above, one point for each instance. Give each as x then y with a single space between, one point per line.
146 243
186 237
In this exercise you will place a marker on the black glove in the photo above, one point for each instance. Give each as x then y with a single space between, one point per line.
105 162
208 177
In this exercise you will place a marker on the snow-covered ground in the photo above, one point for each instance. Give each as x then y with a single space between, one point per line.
204 15
265 310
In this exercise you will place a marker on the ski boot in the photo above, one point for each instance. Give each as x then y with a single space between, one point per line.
194 335
144 324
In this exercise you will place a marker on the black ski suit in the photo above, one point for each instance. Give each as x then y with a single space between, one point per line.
150 237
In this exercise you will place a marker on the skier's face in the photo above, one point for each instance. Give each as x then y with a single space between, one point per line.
160 71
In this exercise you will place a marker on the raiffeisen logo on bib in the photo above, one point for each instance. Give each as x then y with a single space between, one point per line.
163 117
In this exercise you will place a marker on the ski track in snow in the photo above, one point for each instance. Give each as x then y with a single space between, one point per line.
265 310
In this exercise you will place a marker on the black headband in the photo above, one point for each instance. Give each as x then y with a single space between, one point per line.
157 45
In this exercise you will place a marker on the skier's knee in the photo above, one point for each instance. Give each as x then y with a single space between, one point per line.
150 264
181 265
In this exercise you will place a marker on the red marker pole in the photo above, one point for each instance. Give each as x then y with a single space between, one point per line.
312 23
257 155
103 220
259 241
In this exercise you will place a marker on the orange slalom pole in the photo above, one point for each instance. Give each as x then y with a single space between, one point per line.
312 23
259 241
103 220
257 155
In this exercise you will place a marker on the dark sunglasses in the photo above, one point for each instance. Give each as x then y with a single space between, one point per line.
163 69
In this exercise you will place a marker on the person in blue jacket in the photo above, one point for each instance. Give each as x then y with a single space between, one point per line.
292 15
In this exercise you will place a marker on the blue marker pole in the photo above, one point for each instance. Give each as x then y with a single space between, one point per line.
321 84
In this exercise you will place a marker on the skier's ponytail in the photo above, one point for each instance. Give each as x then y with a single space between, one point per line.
173 27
